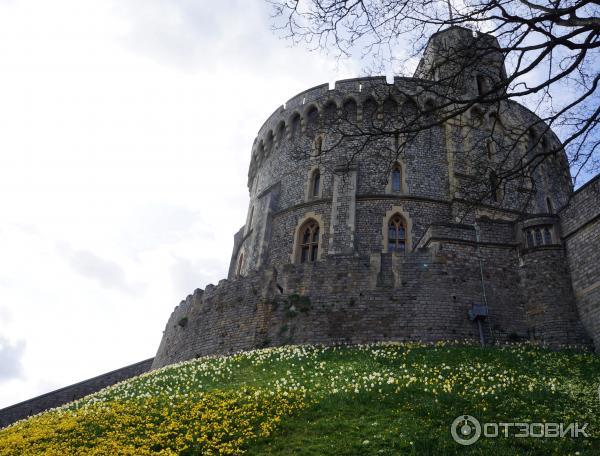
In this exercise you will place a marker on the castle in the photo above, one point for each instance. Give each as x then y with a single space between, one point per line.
386 245
358 240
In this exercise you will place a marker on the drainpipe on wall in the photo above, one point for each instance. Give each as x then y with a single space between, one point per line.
483 294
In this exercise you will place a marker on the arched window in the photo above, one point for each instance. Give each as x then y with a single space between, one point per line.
349 111
482 85
545 144
538 237
549 205
489 148
531 142
312 121
261 151
315 183
547 236
494 187
250 217
530 242
238 270
280 132
396 234
397 178
429 106
295 127
309 241
329 112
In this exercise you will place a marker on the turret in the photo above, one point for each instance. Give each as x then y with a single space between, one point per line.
462 60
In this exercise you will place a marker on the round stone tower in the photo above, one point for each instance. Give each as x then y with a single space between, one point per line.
357 233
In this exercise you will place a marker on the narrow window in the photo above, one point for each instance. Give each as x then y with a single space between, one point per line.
538 237
349 111
269 143
545 145
280 132
549 205
530 243
312 121
397 179
488 147
482 85
494 186
547 236
250 218
531 143
329 113
396 234
309 241
295 127
238 271
316 183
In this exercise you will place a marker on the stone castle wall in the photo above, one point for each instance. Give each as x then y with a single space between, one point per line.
70 393
580 224
424 295
435 163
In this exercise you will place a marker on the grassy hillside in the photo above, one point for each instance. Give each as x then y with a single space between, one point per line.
376 399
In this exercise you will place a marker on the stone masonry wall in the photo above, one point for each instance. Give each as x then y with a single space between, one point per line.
549 300
423 295
70 393
580 226
284 158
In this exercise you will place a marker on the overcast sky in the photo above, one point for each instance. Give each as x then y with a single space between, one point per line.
125 135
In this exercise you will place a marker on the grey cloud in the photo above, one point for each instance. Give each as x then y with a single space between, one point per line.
195 34
107 273
150 227
186 275
10 359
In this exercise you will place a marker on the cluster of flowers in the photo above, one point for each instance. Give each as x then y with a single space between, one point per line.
215 422
216 405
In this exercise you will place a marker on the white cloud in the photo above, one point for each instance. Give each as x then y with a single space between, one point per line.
107 273
126 136
10 359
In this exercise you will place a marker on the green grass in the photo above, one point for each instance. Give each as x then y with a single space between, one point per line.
381 399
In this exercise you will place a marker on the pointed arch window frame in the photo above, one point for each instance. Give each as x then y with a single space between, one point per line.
314 182
396 234
397 211
296 256
390 187
239 265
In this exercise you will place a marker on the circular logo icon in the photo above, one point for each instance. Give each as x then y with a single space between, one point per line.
465 430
